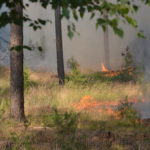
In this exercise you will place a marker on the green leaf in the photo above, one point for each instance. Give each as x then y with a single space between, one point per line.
131 21
141 35
119 32
43 22
66 13
75 14
20 47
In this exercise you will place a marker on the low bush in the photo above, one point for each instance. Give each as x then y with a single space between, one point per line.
127 113
27 81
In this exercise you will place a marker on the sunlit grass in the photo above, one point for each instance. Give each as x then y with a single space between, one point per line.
45 93
64 97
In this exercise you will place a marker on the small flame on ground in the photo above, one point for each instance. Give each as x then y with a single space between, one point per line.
110 73
104 69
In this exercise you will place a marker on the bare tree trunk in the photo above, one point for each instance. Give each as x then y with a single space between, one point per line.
59 47
106 46
16 69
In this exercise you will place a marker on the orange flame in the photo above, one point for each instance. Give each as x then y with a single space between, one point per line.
104 69
110 73
90 104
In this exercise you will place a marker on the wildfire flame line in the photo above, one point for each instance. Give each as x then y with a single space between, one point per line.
110 73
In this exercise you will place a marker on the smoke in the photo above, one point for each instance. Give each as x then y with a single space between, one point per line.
88 47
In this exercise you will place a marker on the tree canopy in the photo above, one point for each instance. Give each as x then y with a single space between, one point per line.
117 10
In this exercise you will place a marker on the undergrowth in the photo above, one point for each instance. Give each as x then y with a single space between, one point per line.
27 81
68 132
71 130
127 113
77 77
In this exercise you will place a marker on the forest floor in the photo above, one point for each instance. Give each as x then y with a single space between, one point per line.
90 112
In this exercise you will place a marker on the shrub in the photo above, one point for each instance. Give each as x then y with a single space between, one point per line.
127 112
75 74
128 59
66 128
65 122
4 106
73 65
27 81
20 142
124 77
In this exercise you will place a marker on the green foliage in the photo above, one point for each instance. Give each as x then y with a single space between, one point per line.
66 126
77 77
20 142
47 121
4 106
117 11
73 65
99 76
65 122
20 48
141 35
127 112
128 59
90 79
129 72
147 2
11 15
75 74
123 77
27 81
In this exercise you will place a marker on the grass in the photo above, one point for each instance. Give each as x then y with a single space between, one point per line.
49 93
83 130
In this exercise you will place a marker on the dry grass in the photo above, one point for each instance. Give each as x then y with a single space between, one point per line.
100 129
49 93
4 78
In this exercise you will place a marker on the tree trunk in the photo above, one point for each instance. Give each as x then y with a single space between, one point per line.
59 47
106 46
16 69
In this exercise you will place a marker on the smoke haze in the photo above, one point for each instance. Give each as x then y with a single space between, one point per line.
88 47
